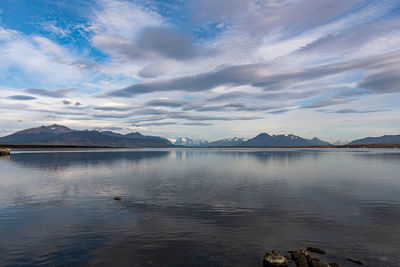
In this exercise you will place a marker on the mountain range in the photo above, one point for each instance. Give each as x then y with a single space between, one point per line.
385 139
265 139
62 135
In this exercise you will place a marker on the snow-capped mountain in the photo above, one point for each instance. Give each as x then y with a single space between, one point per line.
265 139
228 142
186 141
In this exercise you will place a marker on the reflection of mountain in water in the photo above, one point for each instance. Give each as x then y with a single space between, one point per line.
283 156
4 157
65 159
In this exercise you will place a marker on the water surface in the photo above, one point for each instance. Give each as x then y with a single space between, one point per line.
198 207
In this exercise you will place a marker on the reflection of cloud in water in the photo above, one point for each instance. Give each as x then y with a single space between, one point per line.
198 207
373 155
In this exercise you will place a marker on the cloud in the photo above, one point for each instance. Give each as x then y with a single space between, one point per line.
66 102
155 69
197 124
327 102
39 59
21 97
55 93
167 43
112 108
256 75
347 111
166 103
385 81
233 76
155 124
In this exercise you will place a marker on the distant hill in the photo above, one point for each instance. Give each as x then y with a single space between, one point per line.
186 141
265 139
385 139
61 135
228 142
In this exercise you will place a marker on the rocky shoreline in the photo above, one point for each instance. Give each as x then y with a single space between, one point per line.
301 257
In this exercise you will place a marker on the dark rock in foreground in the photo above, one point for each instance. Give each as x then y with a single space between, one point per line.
275 259
301 257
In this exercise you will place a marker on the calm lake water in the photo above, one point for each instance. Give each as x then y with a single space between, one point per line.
198 207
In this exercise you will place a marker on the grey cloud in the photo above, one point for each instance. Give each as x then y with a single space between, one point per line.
234 76
352 38
280 111
260 18
110 108
328 102
229 96
197 124
56 93
77 104
155 124
21 97
59 112
191 117
252 75
386 81
153 44
167 42
66 102
345 111
154 70
166 103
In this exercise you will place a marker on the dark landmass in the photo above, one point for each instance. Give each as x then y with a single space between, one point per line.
58 135
228 142
327 146
265 139
385 139
56 146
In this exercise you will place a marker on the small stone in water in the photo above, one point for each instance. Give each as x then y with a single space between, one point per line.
118 198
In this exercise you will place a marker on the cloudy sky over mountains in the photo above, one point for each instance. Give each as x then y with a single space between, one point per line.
202 68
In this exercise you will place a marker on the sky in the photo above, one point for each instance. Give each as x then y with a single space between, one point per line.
206 69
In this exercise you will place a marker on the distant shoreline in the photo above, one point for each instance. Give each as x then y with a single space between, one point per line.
114 147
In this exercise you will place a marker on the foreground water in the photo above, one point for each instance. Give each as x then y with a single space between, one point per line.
198 207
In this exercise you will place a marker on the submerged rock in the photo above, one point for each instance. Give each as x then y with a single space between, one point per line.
275 259
316 250
118 198
355 261
317 263
299 258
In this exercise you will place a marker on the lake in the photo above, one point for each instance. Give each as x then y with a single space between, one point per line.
198 207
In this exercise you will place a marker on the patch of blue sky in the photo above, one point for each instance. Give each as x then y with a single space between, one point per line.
210 30
63 21
178 13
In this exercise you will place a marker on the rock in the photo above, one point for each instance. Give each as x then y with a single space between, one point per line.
118 198
334 264
275 259
317 263
304 251
355 261
299 258
316 250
